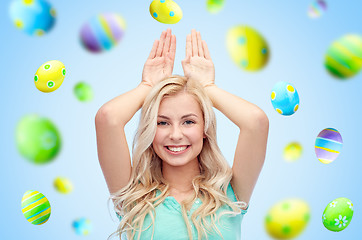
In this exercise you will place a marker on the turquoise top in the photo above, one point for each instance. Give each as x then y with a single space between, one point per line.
169 223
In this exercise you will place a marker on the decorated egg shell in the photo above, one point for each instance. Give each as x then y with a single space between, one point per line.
35 17
83 92
338 214
165 11
293 151
37 139
287 219
49 76
35 207
247 48
285 98
328 145
82 226
102 32
317 8
215 6
63 185
344 57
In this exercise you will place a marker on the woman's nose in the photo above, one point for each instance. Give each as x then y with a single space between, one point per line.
176 133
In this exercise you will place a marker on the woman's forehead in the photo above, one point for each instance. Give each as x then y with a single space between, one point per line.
180 104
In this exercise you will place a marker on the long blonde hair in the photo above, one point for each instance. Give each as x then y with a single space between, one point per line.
138 198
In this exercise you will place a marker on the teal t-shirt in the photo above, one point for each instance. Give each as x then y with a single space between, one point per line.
169 223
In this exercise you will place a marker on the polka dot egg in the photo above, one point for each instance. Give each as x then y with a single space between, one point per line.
165 11
49 76
317 8
328 145
82 226
35 207
338 214
285 98
247 48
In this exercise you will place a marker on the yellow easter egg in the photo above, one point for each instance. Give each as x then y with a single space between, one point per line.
293 151
247 48
49 76
165 11
63 185
287 219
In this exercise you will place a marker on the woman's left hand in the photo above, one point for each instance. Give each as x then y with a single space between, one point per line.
197 63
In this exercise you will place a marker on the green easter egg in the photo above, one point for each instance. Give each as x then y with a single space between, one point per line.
35 207
83 92
338 214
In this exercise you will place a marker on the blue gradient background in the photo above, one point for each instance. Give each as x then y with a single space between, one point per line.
297 44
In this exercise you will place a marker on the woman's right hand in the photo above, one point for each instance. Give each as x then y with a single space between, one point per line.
160 62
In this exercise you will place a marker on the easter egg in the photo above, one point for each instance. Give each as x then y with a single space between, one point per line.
344 57
83 92
49 76
317 8
102 32
247 48
82 226
63 185
165 11
292 151
338 214
37 139
328 145
285 98
214 6
287 219
35 207
34 17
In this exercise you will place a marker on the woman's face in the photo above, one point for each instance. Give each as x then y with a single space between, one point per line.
180 126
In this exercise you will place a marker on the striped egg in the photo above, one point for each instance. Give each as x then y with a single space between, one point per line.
165 11
328 145
317 8
35 207
285 98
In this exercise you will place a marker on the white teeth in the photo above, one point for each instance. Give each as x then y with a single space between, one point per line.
177 149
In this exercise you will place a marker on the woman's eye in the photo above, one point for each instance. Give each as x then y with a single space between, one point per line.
161 123
189 122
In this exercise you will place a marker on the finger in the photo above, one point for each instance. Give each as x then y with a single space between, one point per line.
195 51
160 44
199 45
173 47
166 46
153 50
206 50
188 46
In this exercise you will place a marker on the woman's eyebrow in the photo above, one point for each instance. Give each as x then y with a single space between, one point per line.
185 116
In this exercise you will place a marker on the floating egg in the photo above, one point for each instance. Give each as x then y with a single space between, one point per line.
293 151
165 11
102 32
35 207
63 185
287 219
328 145
35 17
344 57
214 6
317 8
338 214
37 139
285 98
49 76
247 48
83 92
82 226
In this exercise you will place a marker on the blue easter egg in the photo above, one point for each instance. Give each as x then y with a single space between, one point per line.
285 98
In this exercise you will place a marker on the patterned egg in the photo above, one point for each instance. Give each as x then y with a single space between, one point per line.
82 226
35 207
293 151
317 8
214 6
83 92
247 48
63 185
285 98
102 32
344 57
165 11
35 17
328 145
287 219
338 214
37 139
49 76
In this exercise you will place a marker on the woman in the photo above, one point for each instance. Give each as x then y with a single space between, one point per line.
179 185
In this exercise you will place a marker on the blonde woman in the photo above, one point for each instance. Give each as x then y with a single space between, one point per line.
179 185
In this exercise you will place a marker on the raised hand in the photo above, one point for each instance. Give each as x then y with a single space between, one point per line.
197 63
159 64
